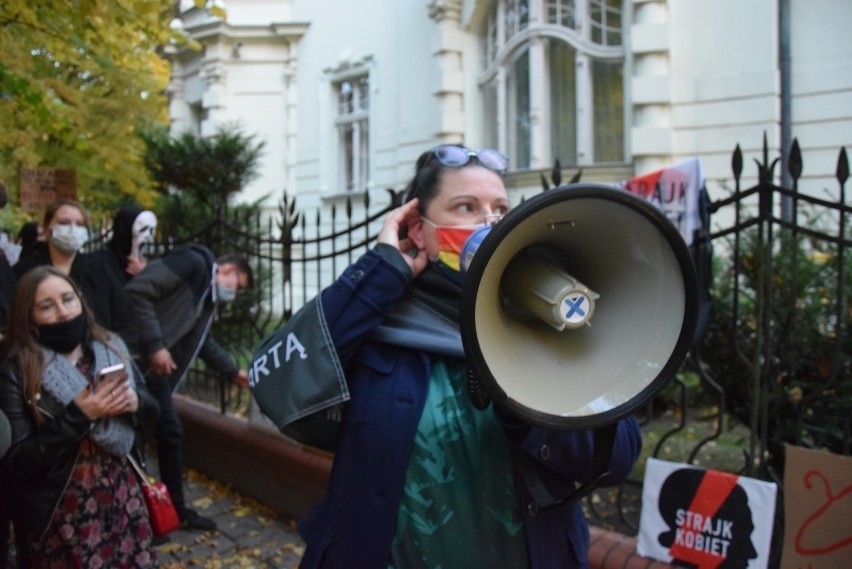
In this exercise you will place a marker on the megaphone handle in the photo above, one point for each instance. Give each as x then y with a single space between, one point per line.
604 440
479 398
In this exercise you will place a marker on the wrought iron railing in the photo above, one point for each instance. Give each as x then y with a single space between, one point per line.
775 365
762 300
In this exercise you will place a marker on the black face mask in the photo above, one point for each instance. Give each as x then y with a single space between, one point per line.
63 337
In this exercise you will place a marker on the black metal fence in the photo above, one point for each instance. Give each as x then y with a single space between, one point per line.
773 367
775 363
293 256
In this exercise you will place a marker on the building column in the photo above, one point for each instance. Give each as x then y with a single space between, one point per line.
213 100
651 133
178 108
291 112
448 57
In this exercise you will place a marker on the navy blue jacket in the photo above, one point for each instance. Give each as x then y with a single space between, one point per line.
355 522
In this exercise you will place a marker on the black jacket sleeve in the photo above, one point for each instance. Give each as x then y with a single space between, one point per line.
217 358
37 450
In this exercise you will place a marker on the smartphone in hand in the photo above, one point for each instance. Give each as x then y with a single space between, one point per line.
110 373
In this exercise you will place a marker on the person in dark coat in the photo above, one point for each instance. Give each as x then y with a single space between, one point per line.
7 288
29 237
132 227
76 500
422 475
174 300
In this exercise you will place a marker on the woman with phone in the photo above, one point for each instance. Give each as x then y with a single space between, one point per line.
78 502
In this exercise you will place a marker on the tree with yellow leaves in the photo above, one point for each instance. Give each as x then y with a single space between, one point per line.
77 80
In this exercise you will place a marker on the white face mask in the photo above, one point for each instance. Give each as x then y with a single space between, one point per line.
68 238
144 227
224 293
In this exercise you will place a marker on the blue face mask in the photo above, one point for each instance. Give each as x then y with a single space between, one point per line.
224 293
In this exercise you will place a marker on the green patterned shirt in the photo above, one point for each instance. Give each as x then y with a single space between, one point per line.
458 509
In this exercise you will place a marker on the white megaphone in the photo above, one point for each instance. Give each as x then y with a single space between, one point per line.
578 306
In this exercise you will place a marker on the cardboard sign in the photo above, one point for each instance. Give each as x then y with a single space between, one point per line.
705 518
817 510
42 186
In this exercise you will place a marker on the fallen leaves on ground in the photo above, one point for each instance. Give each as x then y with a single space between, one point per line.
254 549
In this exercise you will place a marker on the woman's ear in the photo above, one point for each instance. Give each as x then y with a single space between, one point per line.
415 232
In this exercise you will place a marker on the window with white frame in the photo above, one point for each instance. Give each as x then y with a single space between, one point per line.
553 81
352 122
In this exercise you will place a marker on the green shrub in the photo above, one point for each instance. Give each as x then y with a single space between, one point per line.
779 341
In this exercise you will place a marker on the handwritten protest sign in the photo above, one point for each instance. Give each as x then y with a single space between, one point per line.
817 510
42 186
705 518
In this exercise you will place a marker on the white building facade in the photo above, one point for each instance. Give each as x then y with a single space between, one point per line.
346 95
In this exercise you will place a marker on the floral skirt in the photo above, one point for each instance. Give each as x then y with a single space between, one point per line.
101 519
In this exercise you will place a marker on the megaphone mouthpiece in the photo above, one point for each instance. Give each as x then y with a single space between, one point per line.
534 286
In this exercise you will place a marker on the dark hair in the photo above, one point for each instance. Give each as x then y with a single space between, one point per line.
427 178
121 241
238 261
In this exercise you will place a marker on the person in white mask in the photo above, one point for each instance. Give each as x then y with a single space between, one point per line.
132 229
65 225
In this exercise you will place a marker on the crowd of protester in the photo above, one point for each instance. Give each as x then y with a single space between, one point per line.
422 475
69 496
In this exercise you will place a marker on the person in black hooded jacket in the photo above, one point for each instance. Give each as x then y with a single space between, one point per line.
132 227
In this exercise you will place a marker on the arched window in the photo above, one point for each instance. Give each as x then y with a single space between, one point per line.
553 81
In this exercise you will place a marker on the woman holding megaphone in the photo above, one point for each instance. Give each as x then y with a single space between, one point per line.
422 477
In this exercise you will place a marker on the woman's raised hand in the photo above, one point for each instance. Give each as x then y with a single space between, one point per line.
395 221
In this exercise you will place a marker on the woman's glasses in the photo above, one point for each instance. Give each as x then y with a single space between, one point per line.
454 156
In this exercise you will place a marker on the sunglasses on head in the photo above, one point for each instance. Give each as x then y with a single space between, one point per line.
454 156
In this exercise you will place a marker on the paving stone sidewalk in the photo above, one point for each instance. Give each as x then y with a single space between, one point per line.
249 535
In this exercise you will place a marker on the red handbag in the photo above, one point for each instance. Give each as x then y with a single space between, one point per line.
161 511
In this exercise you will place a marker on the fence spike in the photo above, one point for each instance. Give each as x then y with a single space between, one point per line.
557 172
737 162
770 172
842 166
765 149
795 157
